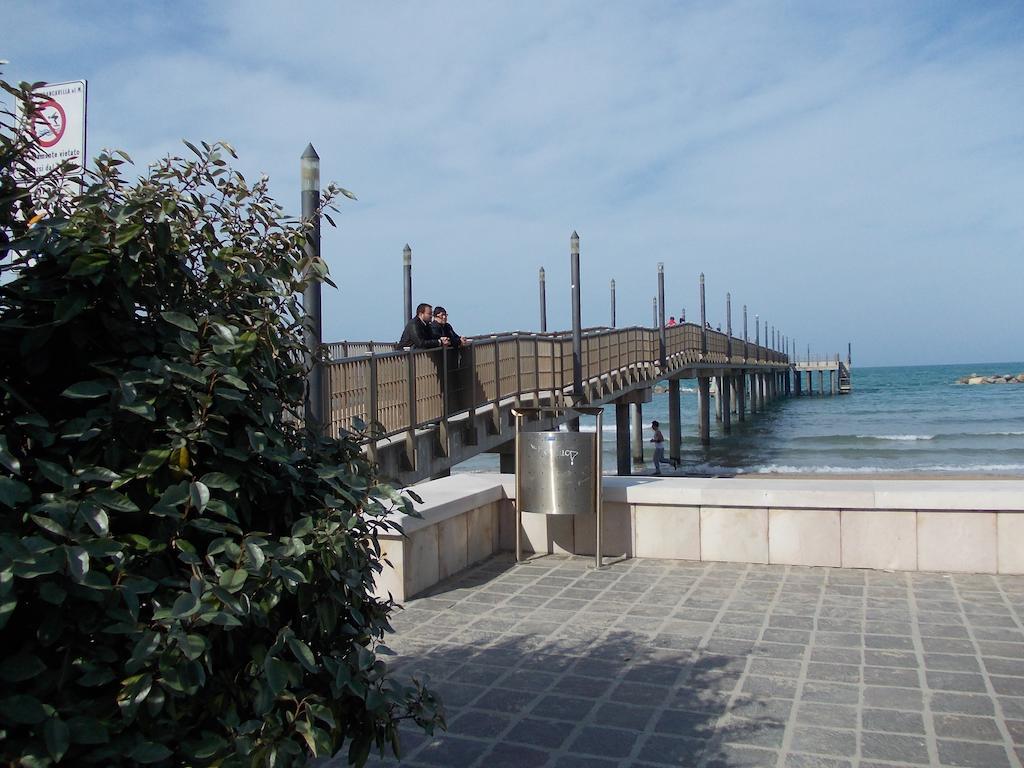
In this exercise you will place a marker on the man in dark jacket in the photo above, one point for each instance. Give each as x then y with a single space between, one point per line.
418 334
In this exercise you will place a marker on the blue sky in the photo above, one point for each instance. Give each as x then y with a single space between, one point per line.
850 171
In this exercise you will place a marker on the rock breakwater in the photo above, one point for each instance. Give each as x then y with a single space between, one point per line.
998 378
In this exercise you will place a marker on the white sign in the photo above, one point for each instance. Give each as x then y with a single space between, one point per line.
57 121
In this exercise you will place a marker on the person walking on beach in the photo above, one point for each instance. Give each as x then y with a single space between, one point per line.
417 333
659 447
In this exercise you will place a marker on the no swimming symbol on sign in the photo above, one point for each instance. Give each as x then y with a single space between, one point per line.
48 123
56 119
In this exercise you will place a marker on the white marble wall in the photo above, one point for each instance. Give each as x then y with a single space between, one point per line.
852 524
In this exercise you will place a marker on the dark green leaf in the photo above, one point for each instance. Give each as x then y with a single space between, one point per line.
219 480
52 593
23 666
50 525
152 460
186 605
150 752
89 263
208 746
234 381
145 410
7 458
78 563
199 495
181 320
113 500
57 736
277 674
303 654
255 555
87 730
13 492
233 580
22 709
69 307
53 472
188 371
125 234
87 390
193 646
95 517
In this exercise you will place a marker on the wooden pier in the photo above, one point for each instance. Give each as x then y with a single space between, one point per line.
425 411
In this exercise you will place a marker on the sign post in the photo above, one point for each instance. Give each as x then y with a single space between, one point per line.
57 119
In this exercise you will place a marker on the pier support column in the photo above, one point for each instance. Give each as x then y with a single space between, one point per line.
724 393
733 397
622 463
821 382
636 411
718 398
789 384
752 389
796 381
704 409
741 397
832 381
675 422
810 382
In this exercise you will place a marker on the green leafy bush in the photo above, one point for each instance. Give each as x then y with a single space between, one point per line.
185 575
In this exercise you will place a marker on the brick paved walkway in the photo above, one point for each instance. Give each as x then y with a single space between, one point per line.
654 663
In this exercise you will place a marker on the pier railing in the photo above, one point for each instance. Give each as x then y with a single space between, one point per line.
393 390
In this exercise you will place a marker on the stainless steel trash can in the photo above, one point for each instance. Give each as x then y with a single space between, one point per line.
557 471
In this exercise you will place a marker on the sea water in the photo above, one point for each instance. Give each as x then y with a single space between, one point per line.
896 420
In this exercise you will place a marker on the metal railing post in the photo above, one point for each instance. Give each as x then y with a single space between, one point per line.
543 303
757 338
373 417
661 315
311 295
599 489
703 321
577 325
519 373
410 433
728 325
746 349
407 282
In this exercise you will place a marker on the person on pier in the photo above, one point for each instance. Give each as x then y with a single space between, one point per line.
671 321
418 334
440 328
